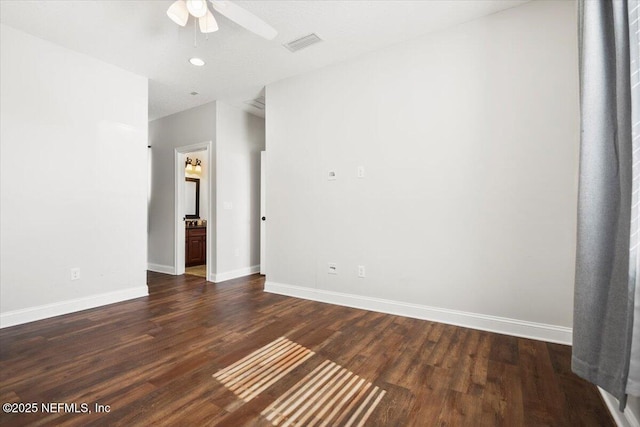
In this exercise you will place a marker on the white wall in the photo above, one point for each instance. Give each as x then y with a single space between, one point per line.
204 182
192 126
73 186
240 139
469 139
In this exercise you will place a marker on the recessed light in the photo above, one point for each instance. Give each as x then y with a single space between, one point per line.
197 62
194 93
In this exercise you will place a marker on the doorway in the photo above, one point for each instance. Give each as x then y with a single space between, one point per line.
194 214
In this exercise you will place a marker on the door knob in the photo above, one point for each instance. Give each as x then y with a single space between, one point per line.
264 218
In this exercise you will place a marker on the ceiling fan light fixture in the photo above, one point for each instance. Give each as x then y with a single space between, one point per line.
197 8
180 10
178 13
208 23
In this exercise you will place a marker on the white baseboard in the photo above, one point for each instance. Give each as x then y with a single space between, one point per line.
234 274
159 268
502 325
622 419
31 314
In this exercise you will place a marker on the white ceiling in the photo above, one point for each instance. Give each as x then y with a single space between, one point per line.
138 36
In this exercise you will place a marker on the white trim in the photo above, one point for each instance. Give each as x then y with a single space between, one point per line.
502 325
622 419
263 212
234 274
159 268
31 314
178 205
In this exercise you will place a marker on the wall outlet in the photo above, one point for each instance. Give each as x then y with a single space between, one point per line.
75 273
333 268
361 272
360 171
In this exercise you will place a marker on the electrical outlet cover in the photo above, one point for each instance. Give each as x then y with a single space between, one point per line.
333 268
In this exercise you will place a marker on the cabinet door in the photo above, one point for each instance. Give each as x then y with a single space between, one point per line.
195 251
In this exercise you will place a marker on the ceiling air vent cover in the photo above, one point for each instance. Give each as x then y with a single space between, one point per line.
258 103
302 42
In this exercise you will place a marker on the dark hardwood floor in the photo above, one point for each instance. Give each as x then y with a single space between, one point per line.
152 361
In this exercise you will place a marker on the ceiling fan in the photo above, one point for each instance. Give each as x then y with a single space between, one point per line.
180 10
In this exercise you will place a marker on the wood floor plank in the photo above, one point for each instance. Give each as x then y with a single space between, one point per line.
542 399
152 360
502 403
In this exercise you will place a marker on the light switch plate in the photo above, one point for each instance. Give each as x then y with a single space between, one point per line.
332 175
361 271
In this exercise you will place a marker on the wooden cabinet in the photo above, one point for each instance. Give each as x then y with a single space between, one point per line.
196 242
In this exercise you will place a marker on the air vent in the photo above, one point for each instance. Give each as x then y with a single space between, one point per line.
258 103
302 42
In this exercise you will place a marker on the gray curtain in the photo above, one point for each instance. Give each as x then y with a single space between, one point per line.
633 382
604 293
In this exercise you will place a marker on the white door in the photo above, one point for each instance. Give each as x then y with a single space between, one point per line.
263 211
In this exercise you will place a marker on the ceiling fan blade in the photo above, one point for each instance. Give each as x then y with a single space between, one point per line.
208 23
178 12
244 18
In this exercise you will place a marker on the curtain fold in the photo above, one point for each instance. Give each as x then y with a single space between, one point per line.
633 382
604 294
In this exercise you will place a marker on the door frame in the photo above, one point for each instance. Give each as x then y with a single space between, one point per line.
179 228
263 212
